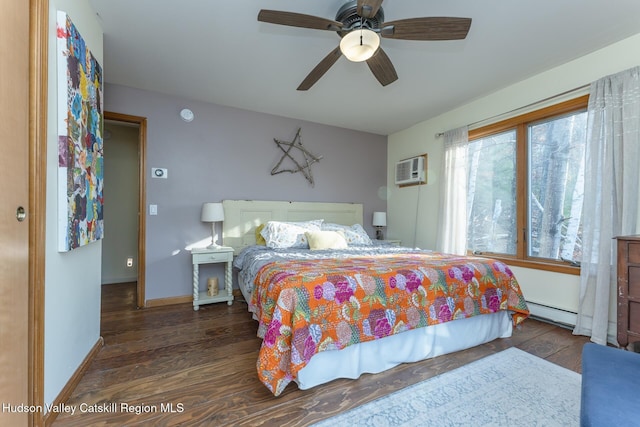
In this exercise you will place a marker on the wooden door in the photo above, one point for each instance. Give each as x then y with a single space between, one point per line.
14 194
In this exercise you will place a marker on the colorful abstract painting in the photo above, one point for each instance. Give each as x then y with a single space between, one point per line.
80 154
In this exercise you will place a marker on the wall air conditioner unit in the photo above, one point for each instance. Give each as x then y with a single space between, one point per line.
410 171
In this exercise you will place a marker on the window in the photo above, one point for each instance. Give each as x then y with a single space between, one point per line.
525 189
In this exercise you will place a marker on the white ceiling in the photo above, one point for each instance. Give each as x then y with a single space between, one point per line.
216 51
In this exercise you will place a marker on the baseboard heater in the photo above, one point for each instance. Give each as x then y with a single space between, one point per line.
566 319
552 314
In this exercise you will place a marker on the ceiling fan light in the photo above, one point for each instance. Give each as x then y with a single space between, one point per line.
359 45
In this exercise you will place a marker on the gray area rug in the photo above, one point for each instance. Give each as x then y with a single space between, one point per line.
509 388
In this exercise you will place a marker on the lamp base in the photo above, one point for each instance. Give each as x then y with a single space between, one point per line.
214 238
379 235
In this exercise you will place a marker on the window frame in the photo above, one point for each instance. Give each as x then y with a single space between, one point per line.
519 124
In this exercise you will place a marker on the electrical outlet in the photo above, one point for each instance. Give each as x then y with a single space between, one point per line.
130 262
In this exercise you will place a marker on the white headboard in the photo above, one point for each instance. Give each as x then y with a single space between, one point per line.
241 217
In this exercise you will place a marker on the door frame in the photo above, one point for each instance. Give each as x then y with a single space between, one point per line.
38 104
142 186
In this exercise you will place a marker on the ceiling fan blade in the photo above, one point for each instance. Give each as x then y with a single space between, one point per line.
368 8
382 68
320 69
431 28
298 20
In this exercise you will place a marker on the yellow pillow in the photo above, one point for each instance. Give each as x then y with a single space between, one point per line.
259 239
326 240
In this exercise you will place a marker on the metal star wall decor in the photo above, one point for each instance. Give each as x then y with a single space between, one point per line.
302 167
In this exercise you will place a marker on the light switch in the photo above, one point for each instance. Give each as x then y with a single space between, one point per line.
153 209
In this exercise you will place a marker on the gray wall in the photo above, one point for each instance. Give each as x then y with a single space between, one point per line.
228 153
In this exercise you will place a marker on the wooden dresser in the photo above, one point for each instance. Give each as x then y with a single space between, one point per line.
628 289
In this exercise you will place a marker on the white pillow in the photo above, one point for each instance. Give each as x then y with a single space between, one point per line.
280 234
319 240
354 235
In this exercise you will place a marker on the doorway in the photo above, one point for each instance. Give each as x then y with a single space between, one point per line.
123 267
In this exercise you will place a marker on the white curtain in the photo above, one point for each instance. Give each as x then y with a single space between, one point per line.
611 193
452 230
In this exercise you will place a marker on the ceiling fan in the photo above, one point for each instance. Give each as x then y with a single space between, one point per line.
360 24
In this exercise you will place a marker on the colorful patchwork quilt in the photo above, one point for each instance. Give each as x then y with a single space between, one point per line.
306 306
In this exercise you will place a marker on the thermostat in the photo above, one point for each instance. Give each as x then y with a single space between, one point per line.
159 173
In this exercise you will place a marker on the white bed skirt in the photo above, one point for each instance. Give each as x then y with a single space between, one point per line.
410 346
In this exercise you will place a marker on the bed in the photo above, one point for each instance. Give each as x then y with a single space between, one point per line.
363 307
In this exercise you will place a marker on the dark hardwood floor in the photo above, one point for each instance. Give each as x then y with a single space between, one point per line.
202 365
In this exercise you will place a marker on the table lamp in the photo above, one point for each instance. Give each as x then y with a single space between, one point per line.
379 221
212 212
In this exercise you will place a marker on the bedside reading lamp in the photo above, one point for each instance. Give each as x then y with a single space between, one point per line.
212 212
379 221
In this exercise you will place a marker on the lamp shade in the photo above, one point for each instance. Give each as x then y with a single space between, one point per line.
379 219
359 45
212 212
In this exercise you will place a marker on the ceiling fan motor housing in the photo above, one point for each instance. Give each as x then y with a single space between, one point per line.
348 15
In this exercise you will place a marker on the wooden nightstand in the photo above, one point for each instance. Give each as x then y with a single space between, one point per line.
211 256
